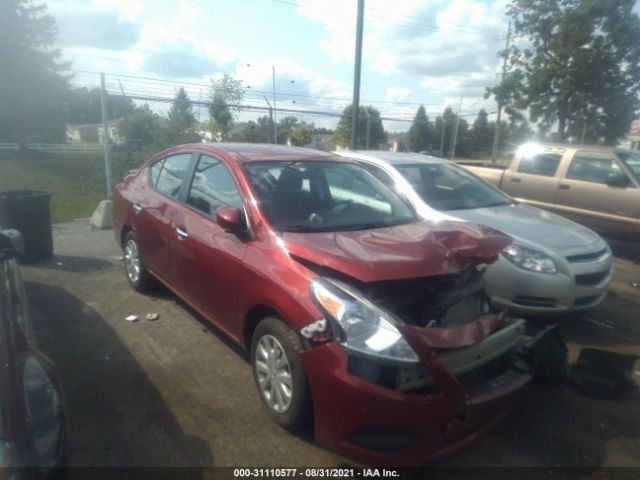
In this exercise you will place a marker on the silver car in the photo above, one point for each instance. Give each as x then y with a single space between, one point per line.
553 265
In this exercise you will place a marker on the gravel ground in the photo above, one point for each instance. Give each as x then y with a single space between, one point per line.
175 392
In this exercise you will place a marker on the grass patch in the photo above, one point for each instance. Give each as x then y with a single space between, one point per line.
75 180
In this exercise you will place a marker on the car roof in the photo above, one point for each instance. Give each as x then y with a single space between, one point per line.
255 152
392 158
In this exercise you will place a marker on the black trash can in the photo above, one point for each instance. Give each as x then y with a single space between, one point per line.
28 212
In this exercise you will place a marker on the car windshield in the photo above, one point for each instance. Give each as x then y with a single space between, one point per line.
314 196
448 187
632 160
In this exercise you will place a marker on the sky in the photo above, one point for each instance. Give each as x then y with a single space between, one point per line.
430 52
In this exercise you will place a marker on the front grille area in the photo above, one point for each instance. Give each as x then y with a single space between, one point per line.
591 278
585 257
530 301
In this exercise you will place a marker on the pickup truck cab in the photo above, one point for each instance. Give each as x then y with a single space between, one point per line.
593 185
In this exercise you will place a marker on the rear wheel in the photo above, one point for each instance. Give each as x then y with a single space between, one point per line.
137 274
279 374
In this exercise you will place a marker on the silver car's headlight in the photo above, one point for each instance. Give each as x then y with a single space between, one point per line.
362 327
529 259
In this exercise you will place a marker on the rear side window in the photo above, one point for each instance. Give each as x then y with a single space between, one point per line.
543 163
592 166
172 174
213 187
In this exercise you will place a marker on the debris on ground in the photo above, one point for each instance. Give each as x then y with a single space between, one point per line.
117 258
635 284
131 318
597 373
152 316
60 264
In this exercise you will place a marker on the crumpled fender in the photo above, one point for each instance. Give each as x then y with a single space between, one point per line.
452 337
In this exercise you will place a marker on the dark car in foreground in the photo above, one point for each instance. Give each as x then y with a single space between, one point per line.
360 317
32 433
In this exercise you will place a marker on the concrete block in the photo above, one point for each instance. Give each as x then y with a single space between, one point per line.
102 217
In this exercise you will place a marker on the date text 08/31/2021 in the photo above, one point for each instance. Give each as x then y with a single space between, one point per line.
315 473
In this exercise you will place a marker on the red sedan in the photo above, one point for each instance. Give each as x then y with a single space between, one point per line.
359 316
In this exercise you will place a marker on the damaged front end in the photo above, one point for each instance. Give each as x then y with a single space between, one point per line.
392 330
420 367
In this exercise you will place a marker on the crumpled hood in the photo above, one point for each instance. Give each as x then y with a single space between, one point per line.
531 224
415 250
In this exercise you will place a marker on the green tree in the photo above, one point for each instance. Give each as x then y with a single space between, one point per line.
284 128
301 135
182 121
418 136
377 134
32 83
226 93
575 61
142 129
482 134
255 132
83 105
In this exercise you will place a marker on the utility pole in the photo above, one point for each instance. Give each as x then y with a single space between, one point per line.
272 130
105 129
496 135
455 131
126 125
275 129
356 76
444 125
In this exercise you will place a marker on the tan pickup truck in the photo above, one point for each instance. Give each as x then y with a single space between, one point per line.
596 186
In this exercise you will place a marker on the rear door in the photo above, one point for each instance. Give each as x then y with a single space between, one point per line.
206 261
156 208
534 175
584 195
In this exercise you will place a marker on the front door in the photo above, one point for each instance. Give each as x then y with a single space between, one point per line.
205 260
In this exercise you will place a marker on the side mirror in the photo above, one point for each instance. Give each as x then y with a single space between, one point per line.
11 242
231 219
618 179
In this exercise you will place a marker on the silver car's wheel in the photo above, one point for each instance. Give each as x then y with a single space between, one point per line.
274 374
132 260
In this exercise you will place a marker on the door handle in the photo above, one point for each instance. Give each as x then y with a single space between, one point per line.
137 208
182 234
564 186
515 179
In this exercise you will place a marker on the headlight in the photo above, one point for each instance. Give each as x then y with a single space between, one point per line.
362 327
529 259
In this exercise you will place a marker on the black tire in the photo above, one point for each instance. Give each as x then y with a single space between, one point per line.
143 281
299 413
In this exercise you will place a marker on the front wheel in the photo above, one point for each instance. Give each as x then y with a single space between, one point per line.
279 374
137 274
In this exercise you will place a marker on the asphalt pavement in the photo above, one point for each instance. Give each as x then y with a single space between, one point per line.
175 392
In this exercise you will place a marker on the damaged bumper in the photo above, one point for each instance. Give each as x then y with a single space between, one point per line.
408 415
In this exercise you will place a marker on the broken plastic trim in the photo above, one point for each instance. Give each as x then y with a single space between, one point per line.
462 360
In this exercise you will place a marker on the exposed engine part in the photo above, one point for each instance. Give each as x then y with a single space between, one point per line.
432 301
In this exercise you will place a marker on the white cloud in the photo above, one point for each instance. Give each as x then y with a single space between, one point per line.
451 46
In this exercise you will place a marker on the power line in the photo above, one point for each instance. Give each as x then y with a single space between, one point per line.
459 30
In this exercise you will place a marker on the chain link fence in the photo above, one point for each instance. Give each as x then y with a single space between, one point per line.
64 154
